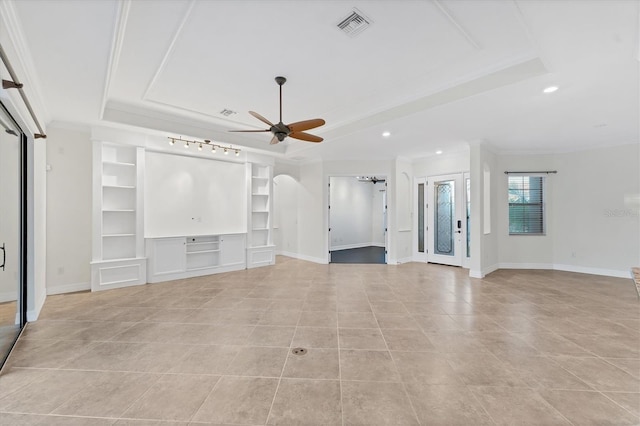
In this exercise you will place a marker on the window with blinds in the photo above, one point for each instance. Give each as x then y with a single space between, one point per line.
526 205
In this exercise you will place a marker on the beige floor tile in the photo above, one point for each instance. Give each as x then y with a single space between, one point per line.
280 317
517 406
375 403
227 335
628 401
357 320
407 340
552 344
174 397
315 364
401 321
47 353
455 342
389 307
425 367
210 359
318 319
361 338
258 361
543 372
450 405
306 402
367 365
241 400
124 356
13 379
481 369
433 323
608 346
629 365
266 335
354 306
110 396
588 408
315 337
600 374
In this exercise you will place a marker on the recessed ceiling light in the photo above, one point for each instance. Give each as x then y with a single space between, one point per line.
550 89
386 134
438 152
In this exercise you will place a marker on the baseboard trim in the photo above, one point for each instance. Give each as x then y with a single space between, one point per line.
404 260
68 288
568 268
302 257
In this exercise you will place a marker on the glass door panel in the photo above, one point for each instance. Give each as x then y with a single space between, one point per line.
445 214
11 235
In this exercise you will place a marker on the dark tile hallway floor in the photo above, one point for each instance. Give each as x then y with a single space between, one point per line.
359 255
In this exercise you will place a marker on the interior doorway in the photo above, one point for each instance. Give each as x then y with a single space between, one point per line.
442 219
358 219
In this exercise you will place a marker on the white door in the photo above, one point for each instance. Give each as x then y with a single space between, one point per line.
446 221
420 243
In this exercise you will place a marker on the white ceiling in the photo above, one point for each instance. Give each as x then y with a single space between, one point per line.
436 74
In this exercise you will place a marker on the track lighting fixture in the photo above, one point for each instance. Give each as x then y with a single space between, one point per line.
206 142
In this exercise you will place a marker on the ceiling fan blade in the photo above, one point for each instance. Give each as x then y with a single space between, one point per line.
300 126
274 140
305 137
261 118
248 130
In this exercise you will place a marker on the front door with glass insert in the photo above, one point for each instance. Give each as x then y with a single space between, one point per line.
446 219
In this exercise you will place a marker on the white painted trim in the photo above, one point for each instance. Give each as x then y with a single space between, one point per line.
568 268
473 273
33 314
68 288
486 271
404 260
301 257
357 245
592 271
116 49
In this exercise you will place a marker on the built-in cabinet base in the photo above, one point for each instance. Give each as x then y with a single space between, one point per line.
261 256
174 258
110 274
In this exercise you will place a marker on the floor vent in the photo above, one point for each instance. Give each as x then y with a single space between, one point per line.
355 23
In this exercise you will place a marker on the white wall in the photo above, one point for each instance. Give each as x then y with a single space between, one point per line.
448 163
312 215
68 210
400 212
597 210
377 214
285 214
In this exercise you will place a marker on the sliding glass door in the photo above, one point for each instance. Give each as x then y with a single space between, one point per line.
12 232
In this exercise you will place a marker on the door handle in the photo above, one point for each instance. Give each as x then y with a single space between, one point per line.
4 256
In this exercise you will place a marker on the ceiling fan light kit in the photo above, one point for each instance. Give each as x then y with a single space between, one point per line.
281 131
201 144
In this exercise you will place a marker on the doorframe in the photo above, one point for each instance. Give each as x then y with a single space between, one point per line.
424 257
384 175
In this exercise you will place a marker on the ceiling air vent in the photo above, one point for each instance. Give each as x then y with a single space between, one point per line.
355 23
227 112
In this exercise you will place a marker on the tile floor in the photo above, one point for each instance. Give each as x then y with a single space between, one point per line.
387 345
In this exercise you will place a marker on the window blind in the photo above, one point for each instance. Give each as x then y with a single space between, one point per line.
526 205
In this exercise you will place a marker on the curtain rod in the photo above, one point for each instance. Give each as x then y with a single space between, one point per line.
532 173
14 84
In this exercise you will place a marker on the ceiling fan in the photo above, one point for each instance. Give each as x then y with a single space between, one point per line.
281 131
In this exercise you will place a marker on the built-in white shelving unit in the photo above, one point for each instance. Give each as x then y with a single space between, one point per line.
118 248
172 258
260 250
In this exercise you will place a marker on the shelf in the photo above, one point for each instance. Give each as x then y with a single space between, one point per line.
202 243
118 163
119 186
117 235
260 229
260 178
260 211
261 195
203 251
118 210
202 268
